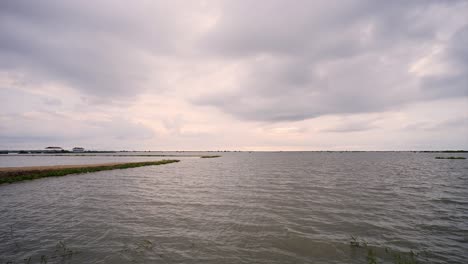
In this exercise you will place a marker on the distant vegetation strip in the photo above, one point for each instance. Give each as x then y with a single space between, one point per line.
444 151
209 157
451 157
11 175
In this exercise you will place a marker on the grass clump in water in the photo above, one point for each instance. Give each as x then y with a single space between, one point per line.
61 254
15 176
451 157
375 254
357 243
210 157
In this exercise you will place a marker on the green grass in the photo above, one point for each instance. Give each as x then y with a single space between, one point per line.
375 255
451 157
209 157
15 176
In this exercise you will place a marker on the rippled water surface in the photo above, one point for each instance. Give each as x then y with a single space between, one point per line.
287 207
21 160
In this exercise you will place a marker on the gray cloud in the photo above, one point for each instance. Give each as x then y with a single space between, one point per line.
99 68
319 29
454 83
99 48
317 58
52 101
353 126
29 119
303 59
449 124
54 128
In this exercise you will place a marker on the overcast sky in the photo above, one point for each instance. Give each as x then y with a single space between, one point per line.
234 75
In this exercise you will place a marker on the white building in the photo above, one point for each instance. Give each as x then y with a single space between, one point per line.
78 149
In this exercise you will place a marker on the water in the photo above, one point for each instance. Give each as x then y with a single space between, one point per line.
287 207
21 160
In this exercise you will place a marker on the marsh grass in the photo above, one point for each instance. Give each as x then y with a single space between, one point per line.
357 243
451 157
15 176
371 257
61 254
209 157
375 254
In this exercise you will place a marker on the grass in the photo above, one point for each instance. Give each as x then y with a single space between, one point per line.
451 157
62 254
134 253
209 157
374 254
15 176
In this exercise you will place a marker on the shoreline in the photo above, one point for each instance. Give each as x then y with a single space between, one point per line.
15 174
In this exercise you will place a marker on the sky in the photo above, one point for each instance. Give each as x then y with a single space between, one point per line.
234 75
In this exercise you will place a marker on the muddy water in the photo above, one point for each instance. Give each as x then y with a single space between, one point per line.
288 207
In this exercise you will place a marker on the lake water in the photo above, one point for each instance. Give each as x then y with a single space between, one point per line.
286 207
21 160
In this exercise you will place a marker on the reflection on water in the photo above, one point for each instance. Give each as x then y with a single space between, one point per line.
243 208
23 160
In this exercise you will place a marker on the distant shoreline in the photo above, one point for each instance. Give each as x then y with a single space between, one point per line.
124 153
15 174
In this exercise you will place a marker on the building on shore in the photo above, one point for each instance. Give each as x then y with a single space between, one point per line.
54 149
78 149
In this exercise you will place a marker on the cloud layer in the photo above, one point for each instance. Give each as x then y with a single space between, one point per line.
234 74
307 59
